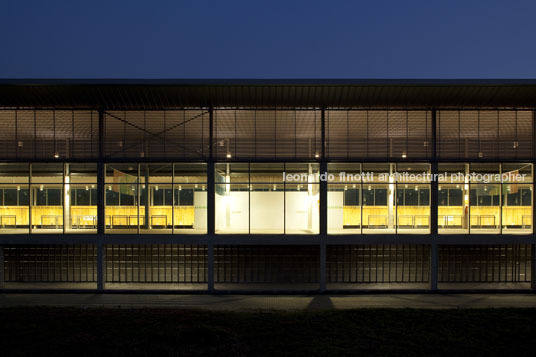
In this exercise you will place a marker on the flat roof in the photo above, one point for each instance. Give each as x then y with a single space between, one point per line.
267 93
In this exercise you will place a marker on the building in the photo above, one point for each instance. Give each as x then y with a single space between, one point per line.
267 185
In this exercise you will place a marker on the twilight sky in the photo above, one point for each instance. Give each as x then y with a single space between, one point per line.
268 39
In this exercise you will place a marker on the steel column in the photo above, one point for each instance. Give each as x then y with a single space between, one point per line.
533 246
101 218
211 205
101 213
434 184
323 200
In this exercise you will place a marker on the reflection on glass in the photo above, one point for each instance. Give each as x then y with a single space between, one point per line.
378 208
517 208
344 208
485 201
453 208
413 208
47 198
47 208
80 198
14 198
122 208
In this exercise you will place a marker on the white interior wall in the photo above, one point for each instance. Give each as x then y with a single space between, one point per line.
335 215
200 210
267 210
302 211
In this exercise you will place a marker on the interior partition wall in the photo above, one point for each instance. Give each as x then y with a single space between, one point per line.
270 218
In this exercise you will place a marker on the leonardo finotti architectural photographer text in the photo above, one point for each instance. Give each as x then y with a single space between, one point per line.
407 177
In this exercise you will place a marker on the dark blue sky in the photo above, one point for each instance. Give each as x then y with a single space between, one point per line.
268 39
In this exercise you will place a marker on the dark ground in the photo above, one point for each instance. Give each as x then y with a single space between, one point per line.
400 332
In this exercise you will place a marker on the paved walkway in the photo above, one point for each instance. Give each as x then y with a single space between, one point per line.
274 302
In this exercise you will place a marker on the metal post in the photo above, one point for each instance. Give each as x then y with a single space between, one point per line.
211 205
533 246
101 267
434 271
434 184
101 218
101 213
323 205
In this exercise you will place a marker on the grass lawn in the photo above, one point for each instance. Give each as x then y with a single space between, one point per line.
395 332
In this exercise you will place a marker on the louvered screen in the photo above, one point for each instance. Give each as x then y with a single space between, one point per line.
177 134
45 134
484 263
362 134
484 134
377 263
266 264
156 263
50 263
267 134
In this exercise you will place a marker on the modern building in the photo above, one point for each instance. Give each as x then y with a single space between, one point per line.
267 185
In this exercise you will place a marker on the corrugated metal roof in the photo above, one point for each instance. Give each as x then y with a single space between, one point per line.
158 94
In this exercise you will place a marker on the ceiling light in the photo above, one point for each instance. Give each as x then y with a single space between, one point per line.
228 155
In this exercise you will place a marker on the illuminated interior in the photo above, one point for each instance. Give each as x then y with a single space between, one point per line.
158 198
382 202
499 205
255 198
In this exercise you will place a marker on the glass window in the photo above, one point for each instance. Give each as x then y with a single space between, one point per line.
453 198
47 198
485 203
14 198
344 208
413 208
188 198
267 198
378 208
122 189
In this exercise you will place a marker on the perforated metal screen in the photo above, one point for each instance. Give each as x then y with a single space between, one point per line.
45 134
361 134
157 134
267 134
493 134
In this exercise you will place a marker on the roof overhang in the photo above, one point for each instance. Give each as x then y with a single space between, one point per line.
260 93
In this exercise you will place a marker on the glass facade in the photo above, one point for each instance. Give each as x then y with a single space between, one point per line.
374 198
267 198
488 198
161 198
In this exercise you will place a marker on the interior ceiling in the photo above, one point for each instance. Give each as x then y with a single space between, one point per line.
160 94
